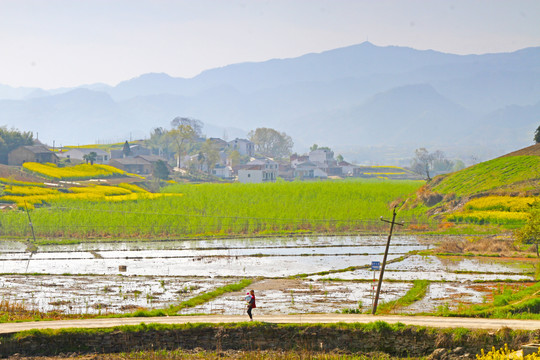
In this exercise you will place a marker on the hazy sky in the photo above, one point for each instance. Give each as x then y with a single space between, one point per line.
57 43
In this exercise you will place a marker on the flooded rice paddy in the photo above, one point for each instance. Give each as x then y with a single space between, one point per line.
122 276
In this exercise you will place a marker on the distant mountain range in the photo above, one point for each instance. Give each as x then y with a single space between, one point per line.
362 100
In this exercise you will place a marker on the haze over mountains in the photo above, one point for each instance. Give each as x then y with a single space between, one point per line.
374 104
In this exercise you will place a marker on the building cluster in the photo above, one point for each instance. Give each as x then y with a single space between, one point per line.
135 158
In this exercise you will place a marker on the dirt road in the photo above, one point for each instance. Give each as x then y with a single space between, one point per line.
428 321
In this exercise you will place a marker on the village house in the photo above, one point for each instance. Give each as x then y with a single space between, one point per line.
297 159
103 157
258 171
324 159
134 150
134 165
309 170
222 171
220 144
286 171
347 169
31 153
243 146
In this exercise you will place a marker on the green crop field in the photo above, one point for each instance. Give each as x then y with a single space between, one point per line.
220 209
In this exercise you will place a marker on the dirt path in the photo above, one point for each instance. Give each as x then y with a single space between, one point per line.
429 321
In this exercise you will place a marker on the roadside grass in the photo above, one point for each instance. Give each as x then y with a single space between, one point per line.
416 293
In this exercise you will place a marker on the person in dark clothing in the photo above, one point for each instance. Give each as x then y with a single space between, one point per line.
250 303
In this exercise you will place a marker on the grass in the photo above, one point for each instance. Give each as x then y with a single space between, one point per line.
416 293
515 303
490 175
220 210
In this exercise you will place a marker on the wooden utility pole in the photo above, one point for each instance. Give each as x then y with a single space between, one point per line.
32 247
384 259
30 221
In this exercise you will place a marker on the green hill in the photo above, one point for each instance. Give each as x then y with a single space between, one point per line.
497 191
505 175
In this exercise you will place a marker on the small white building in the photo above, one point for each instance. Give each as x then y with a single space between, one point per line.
347 169
224 172
258 171
243 146
103 157
309 170
321 156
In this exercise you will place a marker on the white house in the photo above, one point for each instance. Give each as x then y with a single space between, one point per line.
243 146
347 169
103 157
309 170
224 172
321 156
258 171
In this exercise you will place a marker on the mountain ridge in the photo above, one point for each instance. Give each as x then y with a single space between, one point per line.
307 96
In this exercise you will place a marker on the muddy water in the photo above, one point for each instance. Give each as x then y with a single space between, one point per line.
86 278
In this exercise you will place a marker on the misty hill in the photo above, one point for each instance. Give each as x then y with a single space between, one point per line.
349 98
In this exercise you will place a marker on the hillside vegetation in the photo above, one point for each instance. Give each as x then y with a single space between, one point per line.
498 191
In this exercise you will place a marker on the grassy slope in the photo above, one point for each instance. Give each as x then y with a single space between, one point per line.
505 174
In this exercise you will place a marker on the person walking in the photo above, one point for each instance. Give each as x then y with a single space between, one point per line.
250 303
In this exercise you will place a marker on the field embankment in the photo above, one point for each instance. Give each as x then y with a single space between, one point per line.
395 340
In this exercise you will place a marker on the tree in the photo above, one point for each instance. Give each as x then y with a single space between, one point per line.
159 142
537 136
530 233
424 162
90 157
269 142
440 163
126 150
12 139
317 147
234 157
185 131
160 170
458 165
181 136
195 124
211 154
339 158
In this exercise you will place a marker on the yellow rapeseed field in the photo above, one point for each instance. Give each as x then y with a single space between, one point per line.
501 203
77 172
30 196
494 209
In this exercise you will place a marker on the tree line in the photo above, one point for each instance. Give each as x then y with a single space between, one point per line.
186 138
